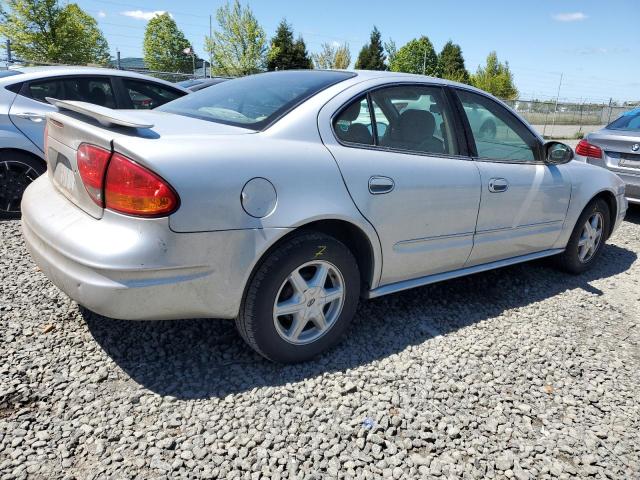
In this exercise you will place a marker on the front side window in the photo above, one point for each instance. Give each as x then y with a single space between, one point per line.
255 101
498 135
147 95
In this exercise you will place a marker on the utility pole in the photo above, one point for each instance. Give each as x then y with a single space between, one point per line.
118 58
555 110
210 38
424 61
9 60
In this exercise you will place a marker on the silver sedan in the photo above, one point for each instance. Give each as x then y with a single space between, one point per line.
617 148
281 199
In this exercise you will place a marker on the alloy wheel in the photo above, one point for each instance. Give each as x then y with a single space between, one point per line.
309 302
15 177
590 237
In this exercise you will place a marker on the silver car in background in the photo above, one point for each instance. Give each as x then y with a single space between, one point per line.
281 199
617 148
23 108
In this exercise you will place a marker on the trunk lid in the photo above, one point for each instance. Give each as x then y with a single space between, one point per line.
621 149
110 129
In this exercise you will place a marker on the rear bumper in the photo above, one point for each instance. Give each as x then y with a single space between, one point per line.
630 179
138 269
632 186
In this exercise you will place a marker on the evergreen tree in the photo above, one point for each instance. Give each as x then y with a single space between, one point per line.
416 56
451 63
285 53
371 56
164 46
495 78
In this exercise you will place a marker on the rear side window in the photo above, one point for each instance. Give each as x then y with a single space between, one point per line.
41 89
353 124
408 118
95 90
88 89
147 95
418 118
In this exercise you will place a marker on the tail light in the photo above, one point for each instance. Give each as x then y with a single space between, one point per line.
118 183
134 190
92 162
587 149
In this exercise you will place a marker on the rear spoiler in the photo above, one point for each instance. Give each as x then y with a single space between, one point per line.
106 116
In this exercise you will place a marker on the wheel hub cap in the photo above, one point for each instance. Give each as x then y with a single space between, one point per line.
15 177
590 237
308 302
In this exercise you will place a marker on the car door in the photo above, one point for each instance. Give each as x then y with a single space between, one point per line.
397 148
30 106
524 201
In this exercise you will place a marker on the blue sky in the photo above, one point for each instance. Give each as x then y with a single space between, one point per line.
594 44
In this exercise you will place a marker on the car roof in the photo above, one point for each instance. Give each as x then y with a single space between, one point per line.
35 73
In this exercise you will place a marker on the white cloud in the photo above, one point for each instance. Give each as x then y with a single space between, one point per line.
569 17
102 14
142 15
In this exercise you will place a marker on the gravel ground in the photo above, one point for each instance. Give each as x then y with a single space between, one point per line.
519 373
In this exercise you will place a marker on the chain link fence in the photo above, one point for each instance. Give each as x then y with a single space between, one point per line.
566 119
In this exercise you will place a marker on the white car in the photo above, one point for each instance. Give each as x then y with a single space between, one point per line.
23 108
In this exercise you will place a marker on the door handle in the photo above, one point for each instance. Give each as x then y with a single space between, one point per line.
34 117
379 185
498 185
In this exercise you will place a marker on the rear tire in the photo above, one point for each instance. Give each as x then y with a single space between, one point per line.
301 299
587 238
17 171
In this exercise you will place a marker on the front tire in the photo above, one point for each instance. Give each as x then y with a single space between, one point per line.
587 238
17 171
301 299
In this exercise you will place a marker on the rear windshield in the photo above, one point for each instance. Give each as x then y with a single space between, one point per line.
9 73
255 101
627 121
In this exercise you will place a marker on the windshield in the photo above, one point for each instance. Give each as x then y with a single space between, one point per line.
255 101
627 121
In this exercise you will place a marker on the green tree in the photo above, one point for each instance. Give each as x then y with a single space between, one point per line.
495 78
342 57
164 46
392 51
451 63
44 31
331 57
239 46
416 56
285 53
371 56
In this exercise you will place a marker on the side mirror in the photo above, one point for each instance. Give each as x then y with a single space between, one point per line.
557 153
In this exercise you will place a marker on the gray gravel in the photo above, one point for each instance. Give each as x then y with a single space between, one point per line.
520 373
